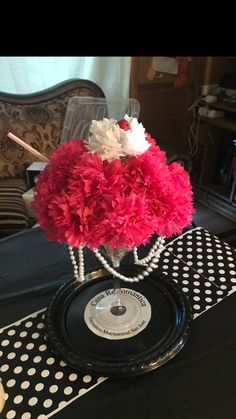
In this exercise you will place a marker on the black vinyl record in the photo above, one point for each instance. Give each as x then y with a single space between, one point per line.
163 337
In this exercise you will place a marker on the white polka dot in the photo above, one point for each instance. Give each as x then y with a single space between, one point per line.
11 355
208 299
33 401
211 271
47 403
27 415
186 268
30 346
35 335
185 275
196 307
232 272
68 390
24 357
190 256
42 348
28 324
207 292
196 298
40 326
210 257
45 373
17 344
185 282
11 383
196 290
200 271
233 280
39 387
199 263
11 332
219 292
87 378
31 371
18 399
82 391
23 334
175 274
62 404
208 284
210 263
4 368
50 361
185 289
189 263
53 389
229 258
211 278
73 377
5 342
100 379
231 265
222 279
11 414
25 385
59 375
18 370
37 359
63 364
196 283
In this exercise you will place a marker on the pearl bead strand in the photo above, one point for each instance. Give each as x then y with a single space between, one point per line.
153 259
150 261
156 249
79 276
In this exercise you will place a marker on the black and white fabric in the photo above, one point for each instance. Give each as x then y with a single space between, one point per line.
39 385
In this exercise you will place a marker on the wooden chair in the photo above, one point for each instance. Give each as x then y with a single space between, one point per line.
38 119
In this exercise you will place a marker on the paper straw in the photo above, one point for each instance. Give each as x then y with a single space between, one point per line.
27 147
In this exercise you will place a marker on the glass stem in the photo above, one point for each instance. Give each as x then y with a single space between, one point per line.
117 308
117 291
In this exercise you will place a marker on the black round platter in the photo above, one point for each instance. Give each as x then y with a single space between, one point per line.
165 335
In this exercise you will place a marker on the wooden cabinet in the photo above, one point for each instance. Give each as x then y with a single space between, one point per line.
214 177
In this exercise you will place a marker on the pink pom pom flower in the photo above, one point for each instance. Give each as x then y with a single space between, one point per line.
83 199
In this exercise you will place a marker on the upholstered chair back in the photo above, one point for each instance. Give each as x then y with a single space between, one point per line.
38 119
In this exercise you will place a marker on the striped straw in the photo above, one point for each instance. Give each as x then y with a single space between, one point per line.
27 147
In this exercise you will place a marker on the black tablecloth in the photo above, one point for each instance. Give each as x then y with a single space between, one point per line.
197 383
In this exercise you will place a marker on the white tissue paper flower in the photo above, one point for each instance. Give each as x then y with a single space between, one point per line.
112 142
135 142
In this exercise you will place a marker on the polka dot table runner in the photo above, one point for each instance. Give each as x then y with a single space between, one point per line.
38 385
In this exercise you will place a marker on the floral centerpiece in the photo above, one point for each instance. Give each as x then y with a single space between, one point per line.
114 189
